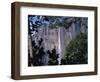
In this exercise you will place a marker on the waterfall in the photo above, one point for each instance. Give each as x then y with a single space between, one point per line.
59 45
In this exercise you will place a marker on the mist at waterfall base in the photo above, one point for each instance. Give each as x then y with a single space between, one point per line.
57 40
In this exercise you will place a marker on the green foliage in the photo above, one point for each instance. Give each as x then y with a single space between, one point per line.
65 22
53 57
52 26
38 53
37 49
52 18
54 21
76 51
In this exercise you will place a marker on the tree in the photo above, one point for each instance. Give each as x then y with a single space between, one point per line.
38 53
35 51
53 57
76 51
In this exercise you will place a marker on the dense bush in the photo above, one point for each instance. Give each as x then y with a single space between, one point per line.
76 51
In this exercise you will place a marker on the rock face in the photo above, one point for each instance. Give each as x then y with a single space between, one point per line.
60 37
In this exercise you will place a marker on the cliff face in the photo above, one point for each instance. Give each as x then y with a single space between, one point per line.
60 37
66 35
76 27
